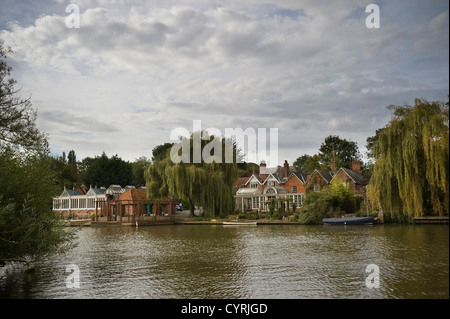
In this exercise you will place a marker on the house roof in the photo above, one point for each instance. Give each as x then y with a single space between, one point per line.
326 175
357 177
114 189
94 191
69 192
133 194
303 177
241 182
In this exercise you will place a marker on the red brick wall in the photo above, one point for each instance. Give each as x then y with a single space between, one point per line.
294 181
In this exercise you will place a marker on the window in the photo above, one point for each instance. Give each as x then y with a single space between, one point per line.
270 191
298 199
255 202
294 189
91 203
316 187
271 183
253 185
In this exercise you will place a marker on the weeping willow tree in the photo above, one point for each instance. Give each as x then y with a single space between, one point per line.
208 183
411 171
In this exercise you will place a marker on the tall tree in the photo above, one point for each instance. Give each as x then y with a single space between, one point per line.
159 152
105 171
342 150
411 170
28 227
209 184
138 167
307 163
65 172
17 117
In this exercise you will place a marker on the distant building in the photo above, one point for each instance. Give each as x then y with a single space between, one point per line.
286 183
72 202
352 178
281 182
114 203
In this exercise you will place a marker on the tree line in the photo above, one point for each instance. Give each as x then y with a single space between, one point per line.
97 171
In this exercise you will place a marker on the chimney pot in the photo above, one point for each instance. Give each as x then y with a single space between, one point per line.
286 169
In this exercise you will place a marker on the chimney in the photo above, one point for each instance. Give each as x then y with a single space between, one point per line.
356 165
333 165
262 170
286 169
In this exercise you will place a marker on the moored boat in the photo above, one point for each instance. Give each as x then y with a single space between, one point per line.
348 221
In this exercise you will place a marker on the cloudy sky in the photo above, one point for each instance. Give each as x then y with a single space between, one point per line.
135 70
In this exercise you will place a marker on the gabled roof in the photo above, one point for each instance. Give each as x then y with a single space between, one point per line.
255 177
133 194
94 191
241 182
69 192
303 177
114 189
357 177
326 175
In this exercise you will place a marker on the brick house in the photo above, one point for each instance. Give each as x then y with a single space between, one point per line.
132 203
287 183
281 182
352 178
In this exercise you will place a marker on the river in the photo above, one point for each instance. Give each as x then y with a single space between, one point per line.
267 261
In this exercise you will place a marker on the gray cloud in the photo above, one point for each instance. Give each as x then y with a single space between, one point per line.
311 69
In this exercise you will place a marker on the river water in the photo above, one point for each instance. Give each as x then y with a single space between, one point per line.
267 261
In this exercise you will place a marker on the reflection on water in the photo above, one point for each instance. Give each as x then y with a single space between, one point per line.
244 262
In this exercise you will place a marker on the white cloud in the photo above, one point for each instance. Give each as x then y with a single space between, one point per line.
137 69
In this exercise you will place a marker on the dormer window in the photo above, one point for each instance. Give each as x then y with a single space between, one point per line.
271 183
253 185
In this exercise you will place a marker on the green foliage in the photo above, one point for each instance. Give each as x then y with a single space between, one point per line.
207 184
307 163
66 172
138 168
29 229
342 150
251 216
336 199
160 152
104 171
272 205
411 172
29 233
317 205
